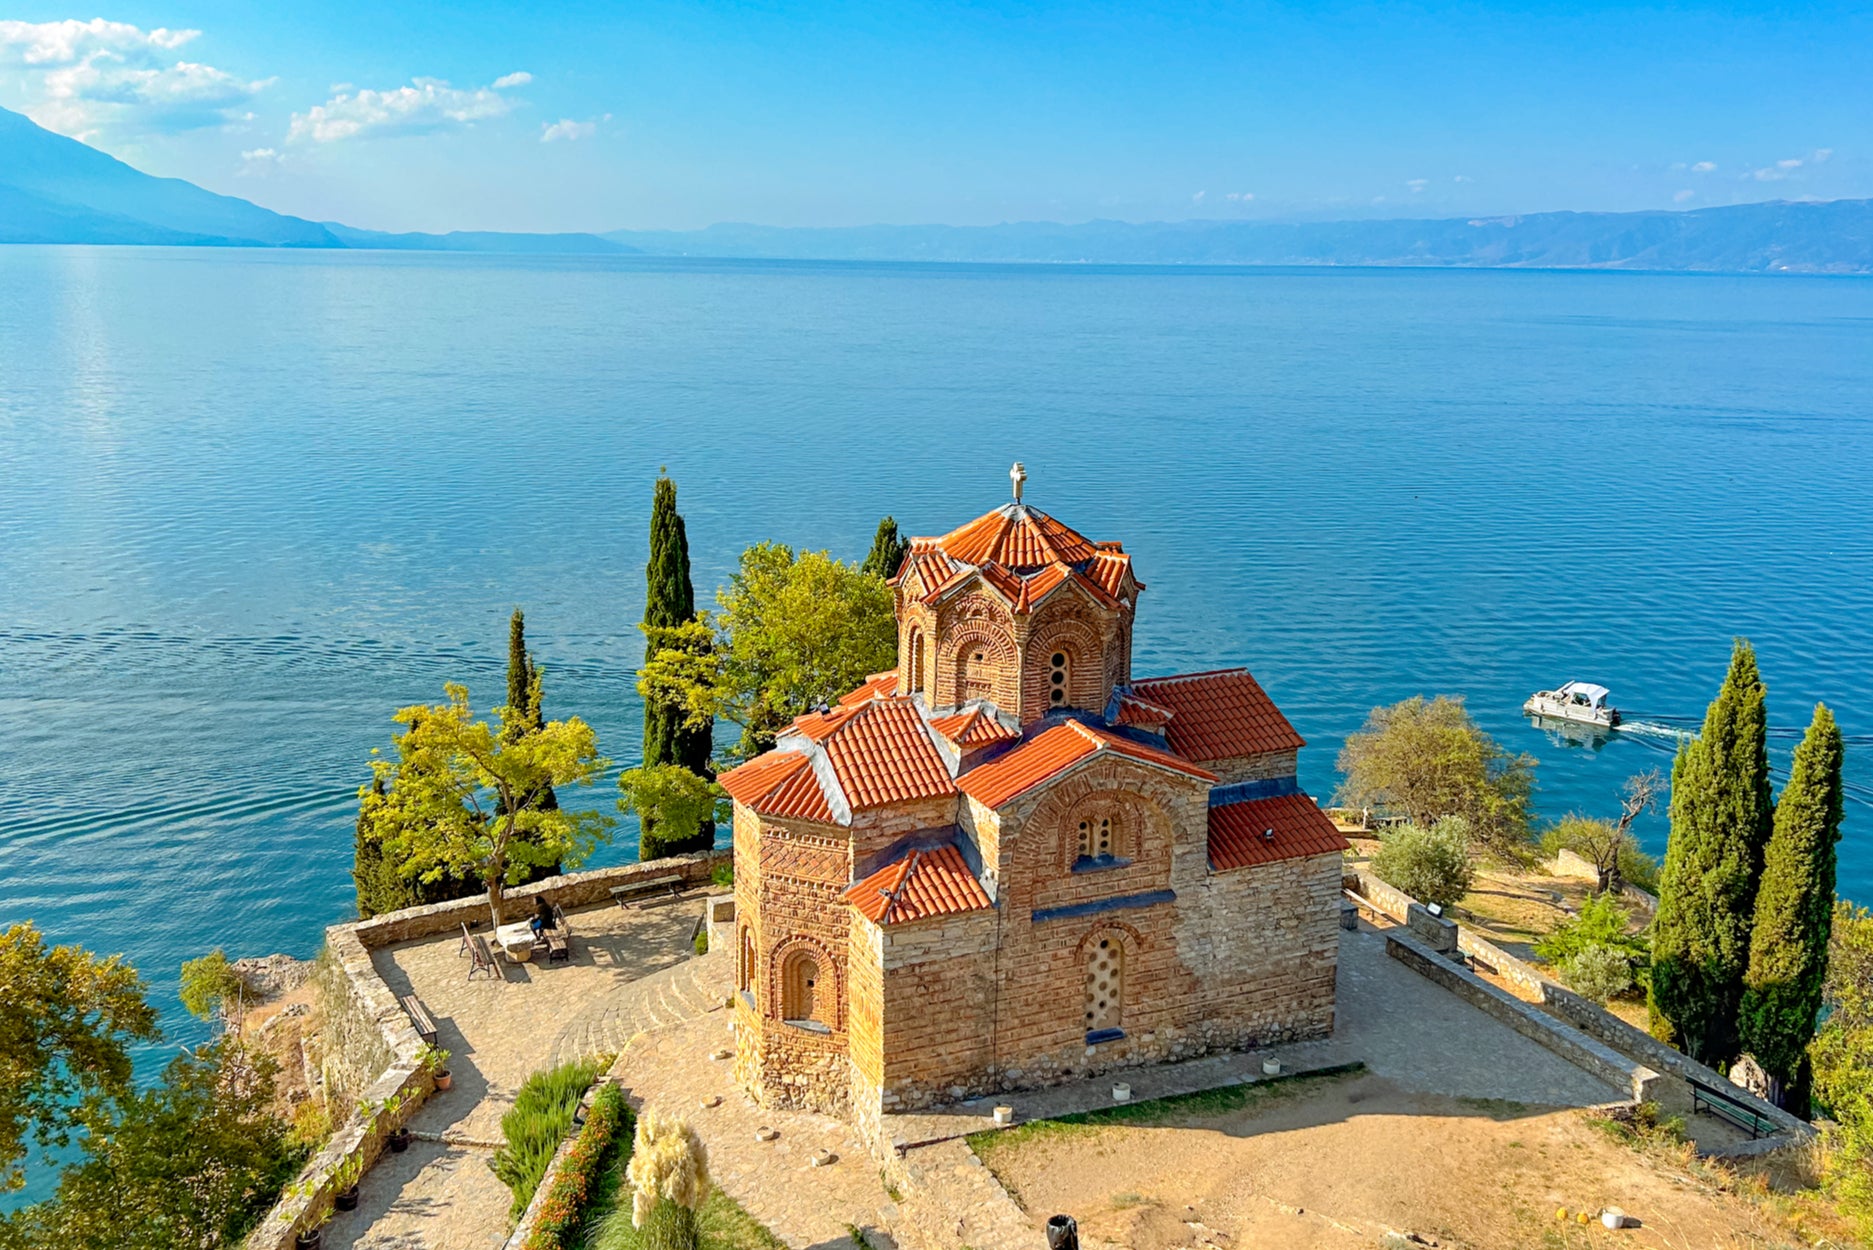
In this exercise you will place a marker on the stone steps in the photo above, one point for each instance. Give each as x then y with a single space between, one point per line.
666 997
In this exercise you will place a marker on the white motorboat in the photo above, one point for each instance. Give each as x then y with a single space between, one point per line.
1580 701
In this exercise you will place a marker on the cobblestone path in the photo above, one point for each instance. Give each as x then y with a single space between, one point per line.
692 988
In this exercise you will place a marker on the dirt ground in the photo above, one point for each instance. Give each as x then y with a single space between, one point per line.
1337 1165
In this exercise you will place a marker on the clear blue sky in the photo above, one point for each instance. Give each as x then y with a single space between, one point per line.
657 114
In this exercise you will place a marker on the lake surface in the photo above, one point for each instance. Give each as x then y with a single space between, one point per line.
251 502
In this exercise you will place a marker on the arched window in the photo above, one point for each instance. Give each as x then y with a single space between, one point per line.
1096 838
1105 984
1059 679
916 659
745 967
799 982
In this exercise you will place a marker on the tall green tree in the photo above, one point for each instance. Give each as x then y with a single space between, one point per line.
669 796
794 632
671 737
526 690
1788 946
887 551
1428 759
1720 823
67 1019
464 796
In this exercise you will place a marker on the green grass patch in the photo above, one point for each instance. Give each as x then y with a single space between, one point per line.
1156 1112
535 1125
722 1224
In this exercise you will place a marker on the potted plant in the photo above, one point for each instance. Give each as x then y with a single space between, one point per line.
312 1238
436 1059
398 1139
345 1181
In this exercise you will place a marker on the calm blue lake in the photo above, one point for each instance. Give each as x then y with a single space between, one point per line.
250 502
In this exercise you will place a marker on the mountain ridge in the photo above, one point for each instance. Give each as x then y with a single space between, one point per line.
54 189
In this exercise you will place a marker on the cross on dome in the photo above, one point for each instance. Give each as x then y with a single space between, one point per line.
1018 475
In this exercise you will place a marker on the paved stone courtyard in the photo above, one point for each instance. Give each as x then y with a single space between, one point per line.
441 1194
635 988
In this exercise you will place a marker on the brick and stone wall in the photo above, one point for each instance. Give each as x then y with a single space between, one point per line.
1267 766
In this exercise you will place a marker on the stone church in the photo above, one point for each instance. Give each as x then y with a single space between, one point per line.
1009 862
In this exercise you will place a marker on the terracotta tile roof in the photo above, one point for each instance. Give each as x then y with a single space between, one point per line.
877 686
923 884
976 727
1017 536
1052 751
1133 710
1219 715
879 752
779 783
1109 567
1238 832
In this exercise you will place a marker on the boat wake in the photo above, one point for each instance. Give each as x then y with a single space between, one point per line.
1652 729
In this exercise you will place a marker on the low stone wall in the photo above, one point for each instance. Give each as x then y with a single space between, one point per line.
1645 1048
1639 1082
574 889
517 1239
309 1198
1397 904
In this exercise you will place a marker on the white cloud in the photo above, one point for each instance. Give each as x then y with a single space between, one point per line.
1417 184
1240 197
80 78
1682 196
1704 167
1198 197
1792 163
567 129
259 162
1463 178
1778 171
519 78
1821 154
426 104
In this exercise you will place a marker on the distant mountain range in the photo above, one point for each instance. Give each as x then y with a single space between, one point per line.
57 190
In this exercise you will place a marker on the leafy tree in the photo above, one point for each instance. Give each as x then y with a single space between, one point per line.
1609 845
671 735
526 687
67 1019
1427 759
1720 821
1788 949
1842 1059
667 796
210 986
380 883
795 632
1429 862
465 796
191 1164
887 552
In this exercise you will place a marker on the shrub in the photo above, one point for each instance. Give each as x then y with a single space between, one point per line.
723 874
702 941
1602 922
1430 864
607 1130
669 1177
1599 972
535 1125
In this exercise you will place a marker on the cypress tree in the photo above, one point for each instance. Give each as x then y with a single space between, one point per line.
375 880
670 599
1720 823
1795 913
887 551
525 690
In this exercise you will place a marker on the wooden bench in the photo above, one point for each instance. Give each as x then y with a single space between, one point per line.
419 1016
1725 1107
651 887
558 945
481 959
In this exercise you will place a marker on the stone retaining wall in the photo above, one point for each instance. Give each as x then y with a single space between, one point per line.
517 1239
1396 904
1643 1047
309 1197
1639 1082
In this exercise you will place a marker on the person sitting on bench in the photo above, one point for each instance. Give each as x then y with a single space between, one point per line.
542 918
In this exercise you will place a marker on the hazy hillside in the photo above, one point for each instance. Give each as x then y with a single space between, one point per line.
57 190
1833 237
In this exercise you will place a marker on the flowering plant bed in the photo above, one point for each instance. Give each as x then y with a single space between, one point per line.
561 1215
